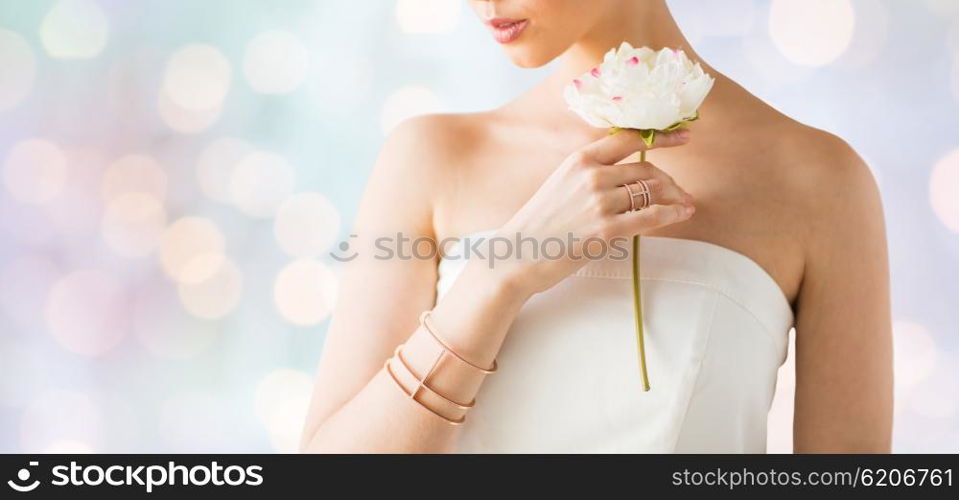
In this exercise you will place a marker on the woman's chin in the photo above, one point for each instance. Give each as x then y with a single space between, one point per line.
526 58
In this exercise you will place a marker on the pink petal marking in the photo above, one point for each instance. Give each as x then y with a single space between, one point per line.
578 84
617 98
595 72
633 61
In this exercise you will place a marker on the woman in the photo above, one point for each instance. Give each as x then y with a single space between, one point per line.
757 223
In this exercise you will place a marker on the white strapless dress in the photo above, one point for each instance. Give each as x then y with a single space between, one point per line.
716 330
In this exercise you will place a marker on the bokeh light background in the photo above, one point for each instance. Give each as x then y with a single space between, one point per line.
174 174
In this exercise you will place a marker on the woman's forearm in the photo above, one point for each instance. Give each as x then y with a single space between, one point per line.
473 317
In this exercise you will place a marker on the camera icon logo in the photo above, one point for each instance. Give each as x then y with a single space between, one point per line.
23 475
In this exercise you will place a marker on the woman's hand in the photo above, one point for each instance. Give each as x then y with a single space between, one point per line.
584 205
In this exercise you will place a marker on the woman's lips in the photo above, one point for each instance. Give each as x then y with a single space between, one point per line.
506 30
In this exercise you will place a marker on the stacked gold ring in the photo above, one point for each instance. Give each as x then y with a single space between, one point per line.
644 191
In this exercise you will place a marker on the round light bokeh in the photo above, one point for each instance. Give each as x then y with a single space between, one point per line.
260 182
74 29
197 78
304 292
216 296
281 402
191 249
186 121
943 186
86 311
428 17
215 166
306 225
275 62
134 174
43 426
133 223
35 171
407 102
811 32
19 69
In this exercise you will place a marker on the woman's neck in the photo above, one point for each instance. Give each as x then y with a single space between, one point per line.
641 23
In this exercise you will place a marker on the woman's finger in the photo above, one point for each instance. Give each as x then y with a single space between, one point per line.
656 216
661 192
626 173
616 147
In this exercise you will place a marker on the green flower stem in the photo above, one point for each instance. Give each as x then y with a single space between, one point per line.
638 304
649 136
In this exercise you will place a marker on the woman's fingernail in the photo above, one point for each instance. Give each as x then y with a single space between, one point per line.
690 210
683 134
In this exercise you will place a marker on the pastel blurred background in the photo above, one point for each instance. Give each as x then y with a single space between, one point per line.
174 174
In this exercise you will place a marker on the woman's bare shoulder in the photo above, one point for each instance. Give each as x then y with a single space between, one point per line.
818 165
427 146
433 140
823 178
418 162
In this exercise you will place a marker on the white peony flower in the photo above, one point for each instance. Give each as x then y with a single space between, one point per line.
639 88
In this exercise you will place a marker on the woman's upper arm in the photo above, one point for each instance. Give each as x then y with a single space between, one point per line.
843 326
381 295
